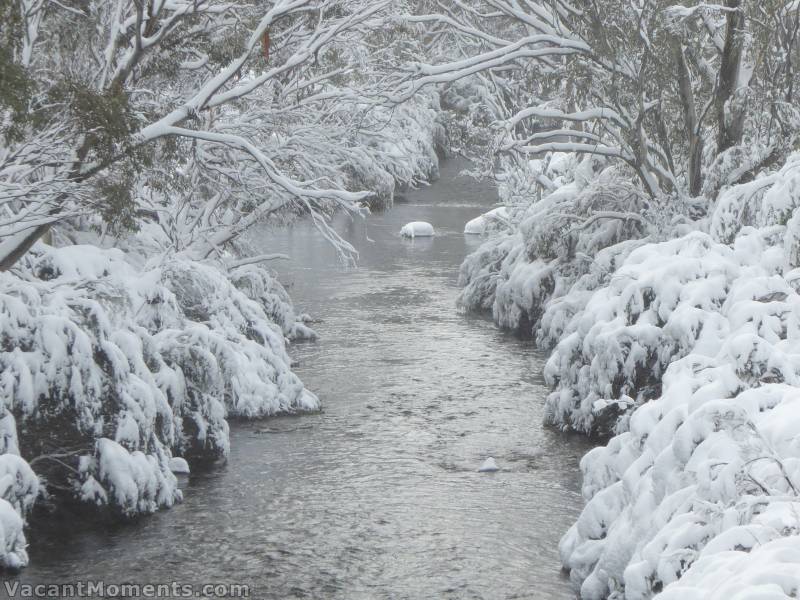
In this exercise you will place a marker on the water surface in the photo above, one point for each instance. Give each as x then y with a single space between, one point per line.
378 496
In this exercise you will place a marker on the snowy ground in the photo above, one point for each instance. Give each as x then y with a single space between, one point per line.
682 341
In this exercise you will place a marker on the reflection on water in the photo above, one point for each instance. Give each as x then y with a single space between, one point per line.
378 496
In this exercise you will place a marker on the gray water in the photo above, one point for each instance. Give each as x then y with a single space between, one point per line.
378 496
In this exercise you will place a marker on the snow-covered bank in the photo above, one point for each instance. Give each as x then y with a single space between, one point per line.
403 153
108 370
120 353
682 340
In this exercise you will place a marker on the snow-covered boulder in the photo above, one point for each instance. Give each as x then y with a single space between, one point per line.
179 466
488 221
489 466
417 229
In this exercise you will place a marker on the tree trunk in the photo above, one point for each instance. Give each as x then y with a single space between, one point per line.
729 120
690 120
16 246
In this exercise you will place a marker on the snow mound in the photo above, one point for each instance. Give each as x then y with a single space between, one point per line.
489 466
487 222
417 229
179 466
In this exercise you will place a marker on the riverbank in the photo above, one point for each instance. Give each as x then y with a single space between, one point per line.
122 352
679 338
377 495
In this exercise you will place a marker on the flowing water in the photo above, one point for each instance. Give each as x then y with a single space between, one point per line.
379 495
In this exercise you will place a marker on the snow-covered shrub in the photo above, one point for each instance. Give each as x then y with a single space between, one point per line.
711 464
659 305
767 200
403 151
131 481
700 472
13 553
19 490
768 571
492 221
108 369
690 352
555 240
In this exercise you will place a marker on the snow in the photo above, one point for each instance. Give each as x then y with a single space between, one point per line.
179 466
417 229
13 554
132 482
770 572
516 273
131 362
489 466
135 350
487 221
683 346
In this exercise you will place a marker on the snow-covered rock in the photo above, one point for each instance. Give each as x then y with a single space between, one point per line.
486 222
489 466
417 229
179 466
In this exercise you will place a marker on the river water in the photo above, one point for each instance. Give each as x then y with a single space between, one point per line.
379 495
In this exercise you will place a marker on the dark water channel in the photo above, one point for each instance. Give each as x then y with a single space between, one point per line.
378 496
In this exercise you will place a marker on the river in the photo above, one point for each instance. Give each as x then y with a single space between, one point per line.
379 495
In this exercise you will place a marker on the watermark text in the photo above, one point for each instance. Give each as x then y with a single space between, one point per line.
101 589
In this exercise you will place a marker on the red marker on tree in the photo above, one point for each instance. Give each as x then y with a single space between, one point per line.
265 44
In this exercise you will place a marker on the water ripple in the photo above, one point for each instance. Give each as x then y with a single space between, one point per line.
378 496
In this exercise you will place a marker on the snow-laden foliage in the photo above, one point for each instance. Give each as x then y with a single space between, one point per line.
660 304
492 221
680 333
554 241
692 98
771 570
111 369
770 199
685 346
691 353
19 489
404 151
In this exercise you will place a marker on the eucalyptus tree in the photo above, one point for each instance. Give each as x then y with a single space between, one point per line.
690 96
196 114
